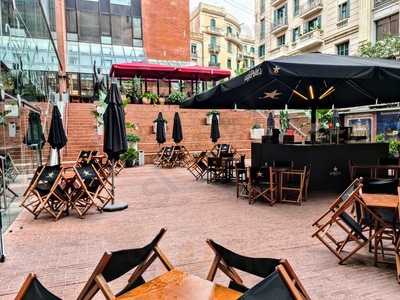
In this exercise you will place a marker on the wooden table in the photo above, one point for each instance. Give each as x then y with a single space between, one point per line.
180 285
381 200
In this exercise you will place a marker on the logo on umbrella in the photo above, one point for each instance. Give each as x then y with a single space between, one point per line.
276 70
274 95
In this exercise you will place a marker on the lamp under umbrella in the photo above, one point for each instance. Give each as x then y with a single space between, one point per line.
214 129
160 134
177 134
115 142
57 138
34 135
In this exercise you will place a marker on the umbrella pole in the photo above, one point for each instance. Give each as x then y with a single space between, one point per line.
3 178
114 207
313 125
112 182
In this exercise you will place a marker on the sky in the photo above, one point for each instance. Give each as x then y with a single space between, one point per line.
243 10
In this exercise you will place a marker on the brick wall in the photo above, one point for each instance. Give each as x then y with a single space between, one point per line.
166 31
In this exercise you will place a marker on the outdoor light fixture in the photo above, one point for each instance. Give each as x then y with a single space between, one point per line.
300 95
327 93
311 91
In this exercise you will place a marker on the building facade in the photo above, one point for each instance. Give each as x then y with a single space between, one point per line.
101 32
216 39
288 27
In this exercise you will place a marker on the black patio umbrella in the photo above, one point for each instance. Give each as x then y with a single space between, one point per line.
34 137
160 134
214 129
115 142
57 138
270 121
177 134
307 81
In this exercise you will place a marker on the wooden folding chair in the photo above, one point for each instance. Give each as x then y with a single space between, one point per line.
397 255
10 170
90 189
242 177
263 184
215 169
84 157
47 193
228 262
159 156
344 229
198 165
292 182
32 289
223 149
168 158
113 265
6 188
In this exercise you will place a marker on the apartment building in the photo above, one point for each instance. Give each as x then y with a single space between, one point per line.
288 27
216 39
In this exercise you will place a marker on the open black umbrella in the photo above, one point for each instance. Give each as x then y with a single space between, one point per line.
57 138
34 137
214 129
160 123
177 134
115 142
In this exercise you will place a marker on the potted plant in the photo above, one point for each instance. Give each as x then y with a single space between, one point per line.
133 140
256 132
150 98
134 91
284 123
176 97
155 126
209 116
394 148
130 157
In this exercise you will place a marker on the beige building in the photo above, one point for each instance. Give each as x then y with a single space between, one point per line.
288 27
216 39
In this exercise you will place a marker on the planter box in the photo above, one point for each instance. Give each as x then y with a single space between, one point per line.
257 133
133 145
12 109
209 119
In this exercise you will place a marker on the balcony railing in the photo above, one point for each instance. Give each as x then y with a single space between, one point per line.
233 37
215 30
311 7
277 2
382 3
239 56
214 48
309 40
214 64
279 25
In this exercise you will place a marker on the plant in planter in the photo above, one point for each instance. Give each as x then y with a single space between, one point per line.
150 98
134 91
132 140
324 117
176 97
210 114
394 148
284 120
256 132
130 157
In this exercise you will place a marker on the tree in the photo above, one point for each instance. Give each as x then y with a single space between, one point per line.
389 47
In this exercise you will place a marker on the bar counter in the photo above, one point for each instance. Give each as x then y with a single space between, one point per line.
323 159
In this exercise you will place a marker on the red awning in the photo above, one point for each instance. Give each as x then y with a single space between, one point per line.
155 71
141 69
202 73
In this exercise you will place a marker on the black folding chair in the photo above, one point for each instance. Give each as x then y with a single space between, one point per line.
32 289
242 178
113 265
227 261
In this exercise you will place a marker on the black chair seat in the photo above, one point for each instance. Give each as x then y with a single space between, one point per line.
356 227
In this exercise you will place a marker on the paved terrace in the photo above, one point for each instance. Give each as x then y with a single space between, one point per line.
64 253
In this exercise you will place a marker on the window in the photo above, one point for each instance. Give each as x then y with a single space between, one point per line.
281 40
213 24
229 47
296 34
137 27
313 24
194 49
229 30
387 27
261 51
344 11
280 15
252 63
71 21
296 7
121 30
213 40
89 27
213 59
262 6
229 63
252 50
262 29
343 48
105 25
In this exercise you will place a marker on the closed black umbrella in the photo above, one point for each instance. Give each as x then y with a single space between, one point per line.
214 129
57 138
177 134
115 142
160 135
270 121
34 135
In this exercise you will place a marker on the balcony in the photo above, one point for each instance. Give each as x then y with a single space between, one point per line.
277 2
309 40
279 25
214 30
213 48
383 3
279 51
231 36
239 56
311 8
214 64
